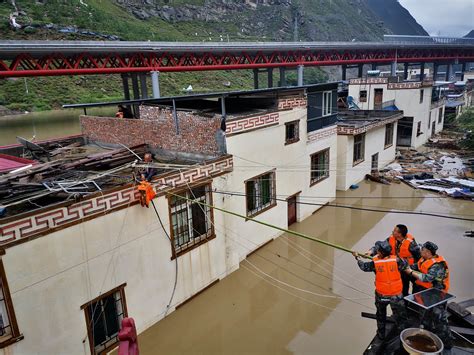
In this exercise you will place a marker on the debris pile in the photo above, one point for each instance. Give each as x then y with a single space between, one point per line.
444 172
64 172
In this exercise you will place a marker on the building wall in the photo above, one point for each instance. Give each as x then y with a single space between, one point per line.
197 134
52 276
407 100
263 150
435 119
348 174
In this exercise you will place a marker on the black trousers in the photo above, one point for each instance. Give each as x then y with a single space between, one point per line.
398 309
406 283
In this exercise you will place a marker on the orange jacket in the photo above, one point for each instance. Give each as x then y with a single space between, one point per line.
404 252
388 281
147 193
424 266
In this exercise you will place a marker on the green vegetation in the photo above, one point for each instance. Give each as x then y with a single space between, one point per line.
313 20
466 123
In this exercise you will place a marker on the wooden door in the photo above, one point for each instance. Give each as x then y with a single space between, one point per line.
291 210
378 99
375 164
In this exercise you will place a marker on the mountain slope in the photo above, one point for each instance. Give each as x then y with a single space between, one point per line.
174 20
396 18
470 34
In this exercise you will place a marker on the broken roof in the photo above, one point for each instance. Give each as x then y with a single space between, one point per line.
69 170
359 121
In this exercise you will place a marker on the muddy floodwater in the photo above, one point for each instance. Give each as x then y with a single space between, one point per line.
44 125
297 296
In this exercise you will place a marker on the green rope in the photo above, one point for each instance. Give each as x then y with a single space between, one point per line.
298 234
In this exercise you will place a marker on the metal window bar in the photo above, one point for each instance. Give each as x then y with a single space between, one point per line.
100 316
320 166
190 221
5 326
262 193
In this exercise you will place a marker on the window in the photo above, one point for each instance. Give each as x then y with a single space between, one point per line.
191 222
260 193
319 166
292 132
9 332
363 96
429 120
104 316
422 94
359 148
389 134
418 129
440 115
327 103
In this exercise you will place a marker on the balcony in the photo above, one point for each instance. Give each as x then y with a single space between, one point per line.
321 122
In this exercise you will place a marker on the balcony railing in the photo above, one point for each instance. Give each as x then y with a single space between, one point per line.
321 122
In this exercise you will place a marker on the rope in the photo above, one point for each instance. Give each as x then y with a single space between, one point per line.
301 235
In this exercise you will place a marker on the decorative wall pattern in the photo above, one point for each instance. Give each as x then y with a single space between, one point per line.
245 124
321 133
347 130
16 229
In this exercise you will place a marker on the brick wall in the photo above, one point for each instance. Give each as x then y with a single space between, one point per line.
156 128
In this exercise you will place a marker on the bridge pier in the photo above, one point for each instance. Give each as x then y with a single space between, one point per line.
393 69
126 88
463 69
155 84
282 77
270 77
136 94
143 87
422 71
344 72
405 71
255 78
435 71
449 71
300 75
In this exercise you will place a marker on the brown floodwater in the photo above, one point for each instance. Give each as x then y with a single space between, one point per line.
249 312
44 125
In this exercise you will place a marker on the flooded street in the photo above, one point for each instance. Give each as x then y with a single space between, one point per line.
44 125
297 296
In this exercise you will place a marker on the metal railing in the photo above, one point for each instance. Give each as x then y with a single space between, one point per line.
401 39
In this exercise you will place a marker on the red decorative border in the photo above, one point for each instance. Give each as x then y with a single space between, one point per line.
293 102
52 219
321 134
245 124
350 131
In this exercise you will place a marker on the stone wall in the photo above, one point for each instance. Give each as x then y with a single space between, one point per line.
197 134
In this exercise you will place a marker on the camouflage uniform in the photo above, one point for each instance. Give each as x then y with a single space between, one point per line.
396 303
435 319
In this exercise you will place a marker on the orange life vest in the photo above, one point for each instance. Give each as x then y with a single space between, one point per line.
424 266
147 193
404 252
388 281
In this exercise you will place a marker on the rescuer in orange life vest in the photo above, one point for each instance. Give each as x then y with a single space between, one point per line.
388 285
432 271
405 247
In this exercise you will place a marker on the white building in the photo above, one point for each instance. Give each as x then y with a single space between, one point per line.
72 270
421 111
365 144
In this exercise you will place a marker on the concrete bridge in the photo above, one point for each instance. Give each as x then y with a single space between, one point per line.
47 58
